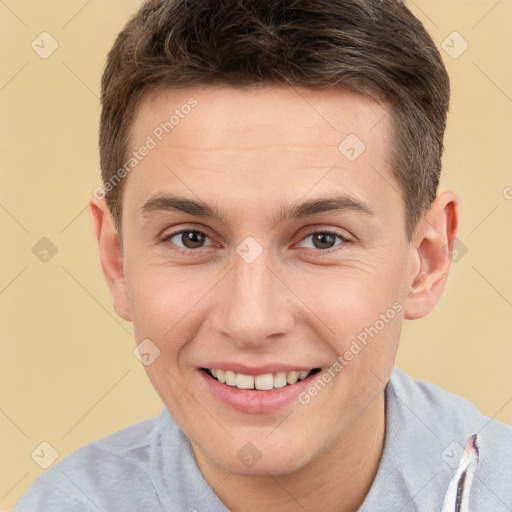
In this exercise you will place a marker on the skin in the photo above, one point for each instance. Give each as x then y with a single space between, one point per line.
250 153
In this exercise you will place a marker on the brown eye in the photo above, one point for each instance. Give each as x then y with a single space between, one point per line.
324 240
192 239
189 239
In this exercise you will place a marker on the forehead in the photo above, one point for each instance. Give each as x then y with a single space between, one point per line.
269 144
221 111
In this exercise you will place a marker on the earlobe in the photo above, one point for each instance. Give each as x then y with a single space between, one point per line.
433 244
110 255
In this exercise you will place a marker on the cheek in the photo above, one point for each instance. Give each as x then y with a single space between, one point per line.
347 303
161 300
359 313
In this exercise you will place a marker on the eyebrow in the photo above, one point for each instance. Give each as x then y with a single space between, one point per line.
298 211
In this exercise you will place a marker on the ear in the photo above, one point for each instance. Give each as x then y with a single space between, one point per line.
110 255
432 250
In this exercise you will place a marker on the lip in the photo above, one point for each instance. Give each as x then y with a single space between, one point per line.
257 370
254 401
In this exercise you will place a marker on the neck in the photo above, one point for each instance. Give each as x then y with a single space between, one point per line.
337 481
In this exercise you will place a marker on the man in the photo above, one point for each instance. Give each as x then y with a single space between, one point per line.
269 217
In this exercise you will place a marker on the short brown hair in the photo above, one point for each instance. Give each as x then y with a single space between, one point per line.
374 47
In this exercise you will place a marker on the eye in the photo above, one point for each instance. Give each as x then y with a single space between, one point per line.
325 241
191 240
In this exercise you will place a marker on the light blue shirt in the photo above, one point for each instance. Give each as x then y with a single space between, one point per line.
150 466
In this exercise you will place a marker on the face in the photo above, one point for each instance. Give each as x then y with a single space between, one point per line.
255 245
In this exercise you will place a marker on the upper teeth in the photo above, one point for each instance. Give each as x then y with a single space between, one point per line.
262 382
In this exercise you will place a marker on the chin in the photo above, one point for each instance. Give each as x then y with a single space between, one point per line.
260 458
275 466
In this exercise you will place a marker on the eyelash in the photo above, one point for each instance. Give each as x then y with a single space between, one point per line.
188 252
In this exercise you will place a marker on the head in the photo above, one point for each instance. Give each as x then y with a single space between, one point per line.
270 175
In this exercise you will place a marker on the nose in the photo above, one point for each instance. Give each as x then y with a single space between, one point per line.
254 306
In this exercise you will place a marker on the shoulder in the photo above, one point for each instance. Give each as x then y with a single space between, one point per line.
434 426
90 477
441 410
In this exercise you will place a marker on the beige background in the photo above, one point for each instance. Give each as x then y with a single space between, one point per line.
68 375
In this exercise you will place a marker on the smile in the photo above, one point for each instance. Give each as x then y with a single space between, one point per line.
264 382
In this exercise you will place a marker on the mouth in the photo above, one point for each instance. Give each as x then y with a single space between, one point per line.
263 382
